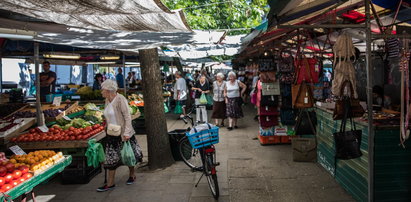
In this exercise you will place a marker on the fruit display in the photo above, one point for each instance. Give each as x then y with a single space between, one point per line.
87 93
36 161
77 109
56 133
11 125
136 100
7 109
47 113
11 175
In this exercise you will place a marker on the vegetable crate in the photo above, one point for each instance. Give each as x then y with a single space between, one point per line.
78 172
275 139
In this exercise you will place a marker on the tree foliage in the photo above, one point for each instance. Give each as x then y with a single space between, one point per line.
221 14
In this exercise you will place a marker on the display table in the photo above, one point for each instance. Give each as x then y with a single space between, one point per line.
28 185
392 163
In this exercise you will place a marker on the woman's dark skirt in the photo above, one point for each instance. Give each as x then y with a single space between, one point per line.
113 146
234 108
219 110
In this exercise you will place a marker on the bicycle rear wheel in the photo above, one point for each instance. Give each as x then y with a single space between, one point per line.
190 156
211 174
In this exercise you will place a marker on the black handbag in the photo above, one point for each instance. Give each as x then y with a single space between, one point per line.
306 123
347 143
269 100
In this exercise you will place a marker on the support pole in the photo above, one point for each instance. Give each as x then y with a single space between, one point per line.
39 112
1 73
370 102
124 75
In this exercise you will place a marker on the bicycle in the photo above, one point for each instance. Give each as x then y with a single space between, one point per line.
198 152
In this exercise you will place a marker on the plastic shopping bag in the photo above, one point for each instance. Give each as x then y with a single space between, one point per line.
127 155
209 100
178 109
95 154
203 99
165 108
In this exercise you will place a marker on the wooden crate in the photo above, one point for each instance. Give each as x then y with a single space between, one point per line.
29 123
58 144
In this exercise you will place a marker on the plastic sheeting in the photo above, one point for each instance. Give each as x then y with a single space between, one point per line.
124 15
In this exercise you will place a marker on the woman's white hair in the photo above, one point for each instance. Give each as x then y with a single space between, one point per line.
110 85
221 75
232 74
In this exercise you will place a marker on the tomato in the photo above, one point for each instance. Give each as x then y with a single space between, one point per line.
27 176
15 183
17 174
6 187
8 178
32 130
71 128
21 179
51 130
66 138
70 133
79 137
23 169
14 139
2 181
72 138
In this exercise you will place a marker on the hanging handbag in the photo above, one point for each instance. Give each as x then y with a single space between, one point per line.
266 65
267 77
347 143
308 70
270 88
302 96
287 77
356 109
268 110
269 100
286 64
113 130
306 123
267 121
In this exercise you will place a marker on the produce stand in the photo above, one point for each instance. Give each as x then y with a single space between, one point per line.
26 125
391 162
28 185
18 107
58 144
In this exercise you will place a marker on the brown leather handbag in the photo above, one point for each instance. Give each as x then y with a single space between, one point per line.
302 95
356 108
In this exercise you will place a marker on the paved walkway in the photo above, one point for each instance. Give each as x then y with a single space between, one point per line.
248 172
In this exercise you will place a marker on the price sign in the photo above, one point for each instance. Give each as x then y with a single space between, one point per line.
57 101
18 121
43 129
17 150
67 118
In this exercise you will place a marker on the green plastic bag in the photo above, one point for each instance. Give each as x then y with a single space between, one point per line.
209 99
203 99
95 154
166 108
178 109
127 155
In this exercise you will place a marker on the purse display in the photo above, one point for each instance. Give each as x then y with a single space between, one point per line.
347 143
354 104
304 149
303 126
270 88
286 64
287 78
266 65
308 70
268 110
267 121
267 77
113 130
269 100
302 96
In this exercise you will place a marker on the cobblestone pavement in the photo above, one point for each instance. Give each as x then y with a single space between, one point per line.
247 172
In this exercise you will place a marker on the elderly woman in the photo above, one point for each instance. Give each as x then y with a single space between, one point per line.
233 93
117 114
219 108
201 87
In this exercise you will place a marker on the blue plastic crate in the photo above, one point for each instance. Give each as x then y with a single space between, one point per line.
203 138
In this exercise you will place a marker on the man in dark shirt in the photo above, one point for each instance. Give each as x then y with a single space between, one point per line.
47 81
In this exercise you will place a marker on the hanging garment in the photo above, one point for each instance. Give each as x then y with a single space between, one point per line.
405 91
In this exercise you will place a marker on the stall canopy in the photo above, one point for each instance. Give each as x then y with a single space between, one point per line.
124 15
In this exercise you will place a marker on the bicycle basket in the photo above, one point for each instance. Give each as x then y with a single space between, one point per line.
203 138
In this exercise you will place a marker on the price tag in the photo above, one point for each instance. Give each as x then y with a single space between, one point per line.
57 101
43 129
67 118
18 121
17 150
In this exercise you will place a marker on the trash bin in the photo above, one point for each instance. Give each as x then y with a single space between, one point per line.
175 136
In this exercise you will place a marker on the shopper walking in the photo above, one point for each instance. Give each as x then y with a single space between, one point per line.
219 106
233 93
117 114
180 92
202 87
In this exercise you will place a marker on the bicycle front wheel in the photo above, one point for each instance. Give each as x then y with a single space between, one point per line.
211 175
190 156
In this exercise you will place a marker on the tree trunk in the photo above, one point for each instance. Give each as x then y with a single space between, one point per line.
159 153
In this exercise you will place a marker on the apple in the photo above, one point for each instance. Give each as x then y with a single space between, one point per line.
17 174
10 167
9 178
3 171
27 176
24 169
6 187
2 181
